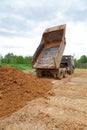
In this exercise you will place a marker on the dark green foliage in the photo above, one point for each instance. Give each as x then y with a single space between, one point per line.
21 62
16 61
83 59
82 62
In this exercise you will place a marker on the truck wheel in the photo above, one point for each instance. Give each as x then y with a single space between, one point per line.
39 74
60 74
55 76
64 73
71 71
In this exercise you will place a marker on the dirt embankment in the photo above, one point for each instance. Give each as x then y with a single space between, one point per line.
64 107
16 88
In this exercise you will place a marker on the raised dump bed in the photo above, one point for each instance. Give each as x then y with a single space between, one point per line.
50 50
48 55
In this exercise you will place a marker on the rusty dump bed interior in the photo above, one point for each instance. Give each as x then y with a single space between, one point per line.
51 46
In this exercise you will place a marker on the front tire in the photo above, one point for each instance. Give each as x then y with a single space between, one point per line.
64 73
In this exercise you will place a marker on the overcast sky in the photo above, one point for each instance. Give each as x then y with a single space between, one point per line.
22 23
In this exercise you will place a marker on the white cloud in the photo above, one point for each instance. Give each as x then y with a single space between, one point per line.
18 45
19 4
8 31
24 32
76 37
77 31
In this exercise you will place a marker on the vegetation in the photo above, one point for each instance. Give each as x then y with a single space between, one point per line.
19 62
23 63
82 62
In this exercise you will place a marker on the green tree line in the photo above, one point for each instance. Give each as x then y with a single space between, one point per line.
19 62
10 58
81 62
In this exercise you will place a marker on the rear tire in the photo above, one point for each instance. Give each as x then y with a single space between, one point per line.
39 74
55 76
60 74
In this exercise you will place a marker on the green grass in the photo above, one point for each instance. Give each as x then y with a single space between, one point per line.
81 67
19 66
29 67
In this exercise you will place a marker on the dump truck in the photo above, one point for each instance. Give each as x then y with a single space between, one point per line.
48 59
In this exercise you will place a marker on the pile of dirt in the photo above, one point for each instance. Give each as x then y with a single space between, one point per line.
16 88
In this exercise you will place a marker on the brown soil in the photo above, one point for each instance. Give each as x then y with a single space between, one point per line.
16 88
64 107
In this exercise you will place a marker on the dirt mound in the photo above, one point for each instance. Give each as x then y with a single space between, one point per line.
16 88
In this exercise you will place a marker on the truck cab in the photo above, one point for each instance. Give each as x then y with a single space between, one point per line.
68 62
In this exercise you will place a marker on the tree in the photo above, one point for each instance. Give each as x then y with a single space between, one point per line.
1 58
27 60
83 59
19 60
8 59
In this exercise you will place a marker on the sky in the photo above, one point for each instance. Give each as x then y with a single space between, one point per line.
22 23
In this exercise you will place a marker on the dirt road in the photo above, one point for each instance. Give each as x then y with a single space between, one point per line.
64 107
